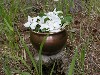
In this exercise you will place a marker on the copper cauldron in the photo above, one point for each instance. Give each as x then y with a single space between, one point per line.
53 43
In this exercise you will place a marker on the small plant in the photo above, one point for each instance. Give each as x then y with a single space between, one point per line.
48 22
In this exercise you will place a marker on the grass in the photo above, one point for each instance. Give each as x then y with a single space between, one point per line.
9 15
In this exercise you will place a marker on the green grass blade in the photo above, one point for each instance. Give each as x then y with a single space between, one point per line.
52 69
6 67
7 70
82 56
40 56
82 60
8 25
0 11
23 61
29 53
72 65
25 73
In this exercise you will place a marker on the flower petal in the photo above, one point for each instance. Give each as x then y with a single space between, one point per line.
27 24
29 19
33 25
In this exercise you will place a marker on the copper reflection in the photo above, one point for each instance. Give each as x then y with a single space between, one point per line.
53 44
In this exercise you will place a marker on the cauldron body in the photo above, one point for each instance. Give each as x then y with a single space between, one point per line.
54 42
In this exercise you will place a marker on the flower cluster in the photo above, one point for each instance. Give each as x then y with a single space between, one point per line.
50 22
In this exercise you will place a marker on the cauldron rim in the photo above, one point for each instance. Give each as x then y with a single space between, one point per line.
45 33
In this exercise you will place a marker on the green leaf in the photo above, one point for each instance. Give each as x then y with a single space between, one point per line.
46 20
60 14
67 20
44 30
42 14
37 29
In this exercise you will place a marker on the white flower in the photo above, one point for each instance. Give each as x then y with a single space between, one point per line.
53 16
56 25
44 26
33 25
52 24
27 24
50 15
56 0
35 19
57 12
29 19
41 20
